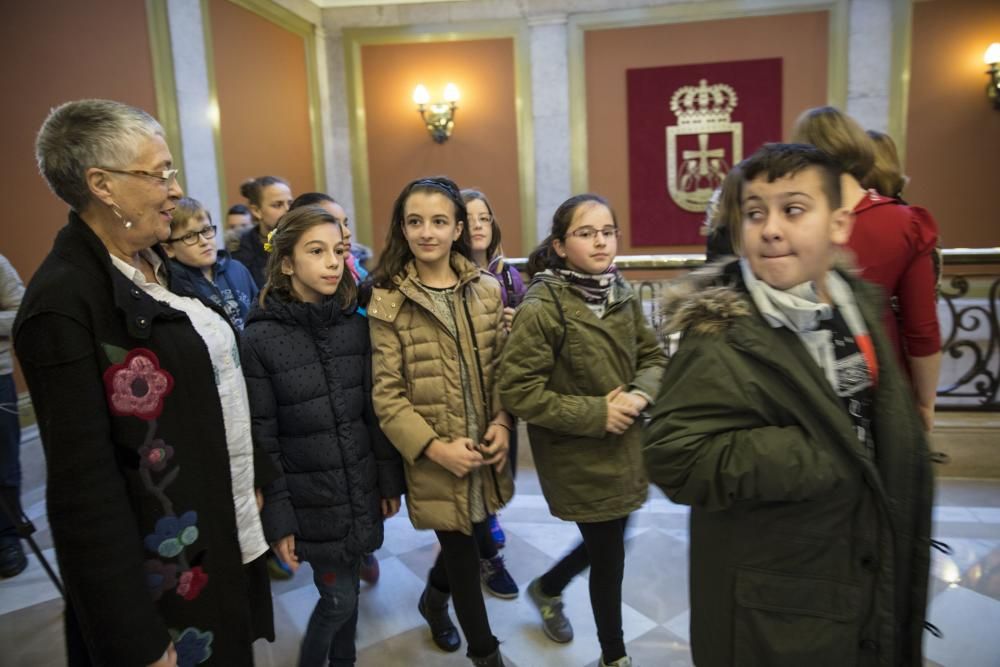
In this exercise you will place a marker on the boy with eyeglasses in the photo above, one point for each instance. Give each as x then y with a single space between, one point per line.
200 269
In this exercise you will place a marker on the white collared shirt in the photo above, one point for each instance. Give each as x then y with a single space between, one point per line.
220 342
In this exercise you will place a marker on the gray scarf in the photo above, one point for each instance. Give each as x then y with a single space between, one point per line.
800 310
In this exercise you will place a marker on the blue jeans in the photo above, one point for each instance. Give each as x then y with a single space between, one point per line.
329 636
10 457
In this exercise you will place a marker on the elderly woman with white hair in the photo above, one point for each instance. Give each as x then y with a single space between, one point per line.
143 414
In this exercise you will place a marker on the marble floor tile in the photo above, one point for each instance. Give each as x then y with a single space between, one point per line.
554 540
284 650
953 514
400 537
31 586
680 625
658 648
654 566
970 623
33 636
389 607
966 492
421 559
986 514
666 506
670 521
298 602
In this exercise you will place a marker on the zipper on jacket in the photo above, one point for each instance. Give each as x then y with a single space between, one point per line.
482 388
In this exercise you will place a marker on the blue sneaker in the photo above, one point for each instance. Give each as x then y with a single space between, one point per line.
496 531
496 578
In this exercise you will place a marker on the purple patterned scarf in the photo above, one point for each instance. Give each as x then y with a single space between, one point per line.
592 288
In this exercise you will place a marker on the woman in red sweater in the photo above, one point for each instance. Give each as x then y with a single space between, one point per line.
894 244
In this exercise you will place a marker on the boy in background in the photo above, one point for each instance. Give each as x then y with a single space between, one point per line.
198 268
785 423
238 221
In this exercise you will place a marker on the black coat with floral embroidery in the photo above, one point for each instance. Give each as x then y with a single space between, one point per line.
139 495
308 371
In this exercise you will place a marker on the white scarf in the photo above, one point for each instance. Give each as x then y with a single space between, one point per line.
800 310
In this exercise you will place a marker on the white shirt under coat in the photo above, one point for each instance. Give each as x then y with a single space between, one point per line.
222 347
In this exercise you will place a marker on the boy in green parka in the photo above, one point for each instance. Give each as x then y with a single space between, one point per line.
785 423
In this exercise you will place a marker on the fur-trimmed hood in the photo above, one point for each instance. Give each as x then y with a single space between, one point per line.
708 300
705 301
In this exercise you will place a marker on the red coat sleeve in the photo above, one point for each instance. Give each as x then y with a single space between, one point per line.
919 330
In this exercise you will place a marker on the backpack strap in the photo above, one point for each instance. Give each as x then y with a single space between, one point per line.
562 318
503 269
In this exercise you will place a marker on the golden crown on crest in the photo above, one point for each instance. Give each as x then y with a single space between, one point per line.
703 103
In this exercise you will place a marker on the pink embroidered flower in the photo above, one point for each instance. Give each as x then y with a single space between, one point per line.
138 385
155 455
191 583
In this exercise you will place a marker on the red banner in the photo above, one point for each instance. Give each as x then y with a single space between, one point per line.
687 126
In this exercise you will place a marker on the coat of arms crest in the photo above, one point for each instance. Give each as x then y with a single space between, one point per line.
701 111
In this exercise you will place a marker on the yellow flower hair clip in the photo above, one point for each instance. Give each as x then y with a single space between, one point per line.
268 246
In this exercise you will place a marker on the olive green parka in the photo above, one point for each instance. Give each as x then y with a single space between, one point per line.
417 388
804 551
586 473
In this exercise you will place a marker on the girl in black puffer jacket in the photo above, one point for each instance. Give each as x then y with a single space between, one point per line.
307 361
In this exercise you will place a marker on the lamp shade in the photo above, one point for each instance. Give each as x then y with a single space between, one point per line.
992 54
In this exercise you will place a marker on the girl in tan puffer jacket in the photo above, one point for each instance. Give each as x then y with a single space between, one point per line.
436 325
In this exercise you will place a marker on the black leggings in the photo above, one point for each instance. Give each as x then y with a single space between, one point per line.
456 571
484 539
603 550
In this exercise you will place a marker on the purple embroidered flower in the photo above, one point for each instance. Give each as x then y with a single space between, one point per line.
191 583
138 385
160 577
172 534
155 455
193 647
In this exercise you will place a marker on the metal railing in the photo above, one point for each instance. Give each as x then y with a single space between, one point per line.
968 313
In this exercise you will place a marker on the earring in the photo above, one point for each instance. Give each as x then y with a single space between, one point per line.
118 214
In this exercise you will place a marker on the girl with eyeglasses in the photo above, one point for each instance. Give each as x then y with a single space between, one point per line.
485 237
580 365
198 268
436 323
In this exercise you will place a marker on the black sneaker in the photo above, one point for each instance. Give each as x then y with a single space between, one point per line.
496 578
12 559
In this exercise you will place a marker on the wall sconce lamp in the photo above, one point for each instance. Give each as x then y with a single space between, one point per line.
992 58
439 118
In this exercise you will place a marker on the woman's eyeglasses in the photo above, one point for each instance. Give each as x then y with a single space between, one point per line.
191 238
167 176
